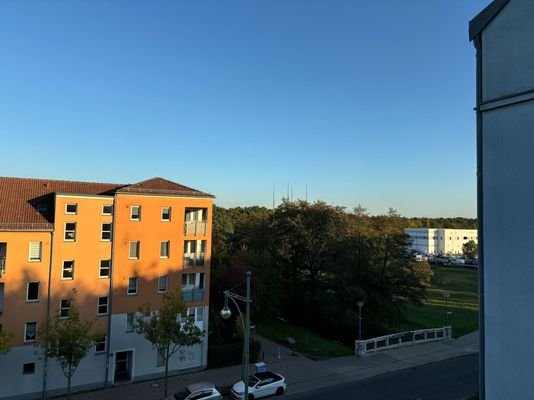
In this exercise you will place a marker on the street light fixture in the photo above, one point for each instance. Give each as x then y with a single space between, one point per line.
226 313
360 305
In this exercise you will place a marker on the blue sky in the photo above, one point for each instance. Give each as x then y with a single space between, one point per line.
363 102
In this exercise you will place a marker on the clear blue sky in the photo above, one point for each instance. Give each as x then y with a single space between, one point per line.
365 102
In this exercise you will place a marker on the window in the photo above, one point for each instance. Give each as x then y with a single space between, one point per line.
196 313
465 237
71 208
165 213
34 252
102 307
32 293
64 308
1 297
132 285
135 213
188 280
67 271
100 344
30 331
164 249
42 208
106 231
134 250
107 209
105 266
130 327
163 283
70 231
28 368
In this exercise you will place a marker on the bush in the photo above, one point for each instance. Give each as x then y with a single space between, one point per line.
224 355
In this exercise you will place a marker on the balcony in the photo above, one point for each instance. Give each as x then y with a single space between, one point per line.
2 266
195 227
193 260
192 294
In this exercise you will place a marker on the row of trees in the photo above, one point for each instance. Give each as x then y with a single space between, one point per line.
312 262
69 340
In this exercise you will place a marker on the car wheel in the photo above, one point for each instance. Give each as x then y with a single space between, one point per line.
250 397
280 391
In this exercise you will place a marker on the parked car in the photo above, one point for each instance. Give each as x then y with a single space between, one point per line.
198 391
260 384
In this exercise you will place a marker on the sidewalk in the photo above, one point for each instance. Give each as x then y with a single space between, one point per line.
301 373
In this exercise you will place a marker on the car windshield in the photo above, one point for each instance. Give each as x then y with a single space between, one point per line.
252 380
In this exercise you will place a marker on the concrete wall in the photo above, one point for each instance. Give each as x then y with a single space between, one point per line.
508 196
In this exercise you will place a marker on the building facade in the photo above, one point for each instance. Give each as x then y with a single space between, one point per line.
439 241
119 247
503 36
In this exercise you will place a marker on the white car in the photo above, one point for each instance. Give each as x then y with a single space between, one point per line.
260 384
198 391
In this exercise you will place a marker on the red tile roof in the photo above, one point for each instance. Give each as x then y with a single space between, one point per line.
20 198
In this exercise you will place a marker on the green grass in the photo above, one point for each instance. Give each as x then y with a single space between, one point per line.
308 343
462 285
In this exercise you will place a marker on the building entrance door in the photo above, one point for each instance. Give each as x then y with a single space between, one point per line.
123 366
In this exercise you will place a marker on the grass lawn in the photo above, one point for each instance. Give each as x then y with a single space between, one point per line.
308 343
462 285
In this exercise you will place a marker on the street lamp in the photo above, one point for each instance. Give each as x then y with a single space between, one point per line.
446 298
226 313
360 305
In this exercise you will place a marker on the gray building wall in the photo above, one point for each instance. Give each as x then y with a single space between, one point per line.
506 120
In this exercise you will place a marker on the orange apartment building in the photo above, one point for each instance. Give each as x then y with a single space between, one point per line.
118 246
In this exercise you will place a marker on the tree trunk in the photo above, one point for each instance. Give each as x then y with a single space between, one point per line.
166 370
69 382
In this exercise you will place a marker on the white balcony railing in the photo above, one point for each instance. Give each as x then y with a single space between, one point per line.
196 227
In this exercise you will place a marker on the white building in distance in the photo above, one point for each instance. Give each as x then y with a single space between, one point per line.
440 241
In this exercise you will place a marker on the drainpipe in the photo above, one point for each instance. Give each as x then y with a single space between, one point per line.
110 302
45 366
480 219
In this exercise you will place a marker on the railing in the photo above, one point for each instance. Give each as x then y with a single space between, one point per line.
394 340
192 294
196 227
193 260
2 266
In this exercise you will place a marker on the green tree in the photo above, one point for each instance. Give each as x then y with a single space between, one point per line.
470 249
67 339
5 339
163 328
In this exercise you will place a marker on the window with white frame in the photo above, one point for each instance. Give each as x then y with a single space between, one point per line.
133 253
165 213
102 305
106 232
105 267
133 283
135 213
64 308
107 209
100 343
70 231
34 252
30 331
130 326
188 281
71 208
163 284
164 249
196 313
67 271
32 292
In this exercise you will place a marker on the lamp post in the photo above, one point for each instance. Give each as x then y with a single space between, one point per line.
446 298
360 305
226 313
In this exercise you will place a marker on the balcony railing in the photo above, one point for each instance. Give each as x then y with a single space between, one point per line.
192 294
196 227
2 266
193 260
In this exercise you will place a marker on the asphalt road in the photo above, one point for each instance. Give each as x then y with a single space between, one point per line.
446 380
